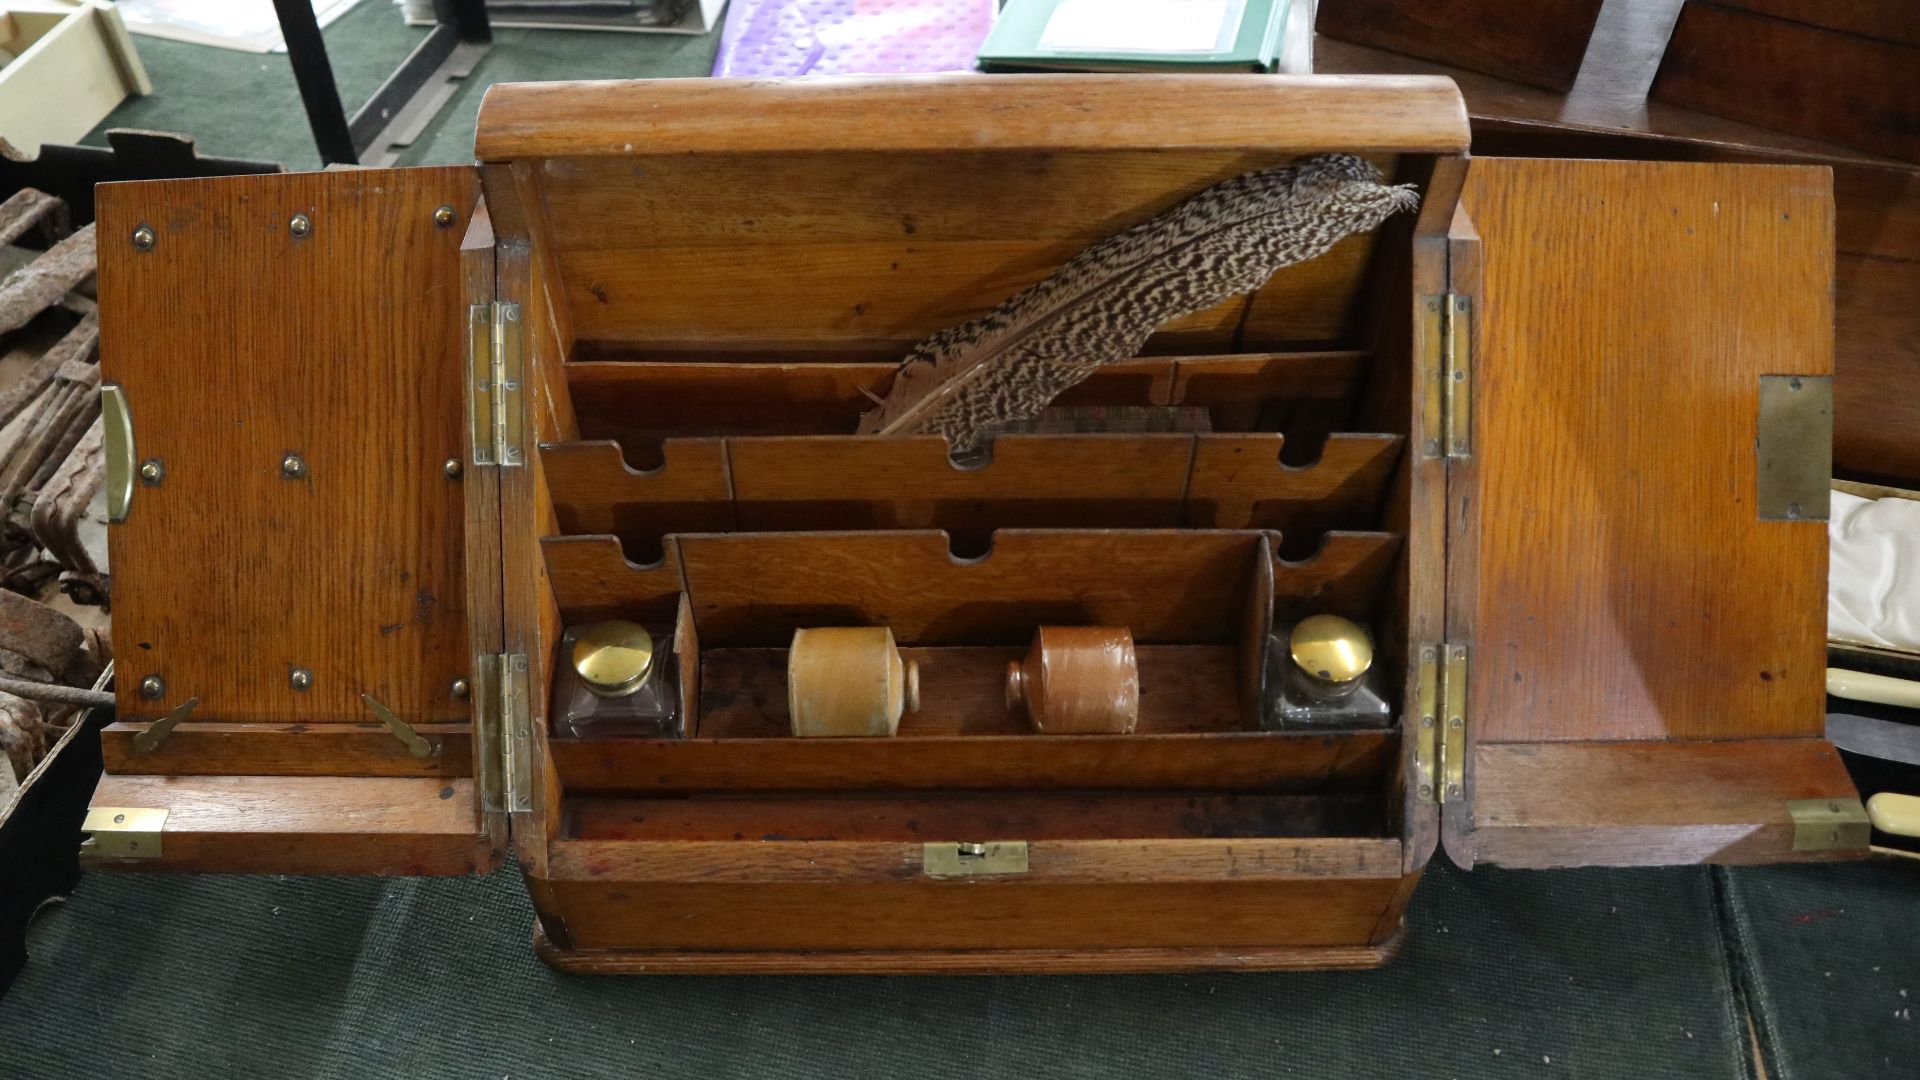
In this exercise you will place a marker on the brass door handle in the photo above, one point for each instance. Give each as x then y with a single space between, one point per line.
117 423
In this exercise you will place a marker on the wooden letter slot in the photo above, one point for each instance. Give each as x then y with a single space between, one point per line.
1508 436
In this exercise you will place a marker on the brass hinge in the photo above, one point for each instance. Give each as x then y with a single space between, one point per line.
122 832
495 360
973 859
1440 736
502 722
1446 336
1453 723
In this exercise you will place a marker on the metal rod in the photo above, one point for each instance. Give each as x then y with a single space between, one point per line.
308 52
54 692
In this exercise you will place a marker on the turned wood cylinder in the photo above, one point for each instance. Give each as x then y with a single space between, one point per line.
1078 680
849 680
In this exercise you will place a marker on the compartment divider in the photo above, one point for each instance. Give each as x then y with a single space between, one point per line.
822 483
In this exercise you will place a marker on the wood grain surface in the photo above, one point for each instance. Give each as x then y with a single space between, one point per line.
983 961
1540 42
830 255
1795 76
863 913
767 823
340 750
1043 113
237 343
1612 576
1238 761
1170 586
1649 803
306 824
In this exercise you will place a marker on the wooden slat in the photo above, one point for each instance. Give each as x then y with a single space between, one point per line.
594 490
1629 604
638 402
287 750
1777 73
832 822
1648 803
1050 861
1178 586
1028 112
1239 482
591 578
1244 761
985 961
306 824
927 914
1032 481
1539 42
237 343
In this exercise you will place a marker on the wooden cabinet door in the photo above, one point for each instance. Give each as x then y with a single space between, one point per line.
291 352
1636 558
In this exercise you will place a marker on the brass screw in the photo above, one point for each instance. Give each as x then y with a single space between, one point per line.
452 468
300 679
462 689
301 225
293 466
973 851
443 217
153 688
152 472
143 238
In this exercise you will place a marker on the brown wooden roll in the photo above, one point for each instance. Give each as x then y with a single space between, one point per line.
849 680
1078 680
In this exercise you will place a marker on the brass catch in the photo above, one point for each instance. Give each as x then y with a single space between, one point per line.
417 744
974 858
122 832
149 740
1829 824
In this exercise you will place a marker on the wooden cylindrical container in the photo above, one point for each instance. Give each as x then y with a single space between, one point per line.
1078 680
849 680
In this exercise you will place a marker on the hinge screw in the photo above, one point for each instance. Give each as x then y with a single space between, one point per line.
973 851
300 679
153 688
1426 791
1453 789
301 225
293 466
452 468
443 217
462 689
143 237
152 472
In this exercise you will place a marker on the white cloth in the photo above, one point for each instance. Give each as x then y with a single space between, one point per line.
1873 575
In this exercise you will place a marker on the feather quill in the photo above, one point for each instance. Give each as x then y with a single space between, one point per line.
1104 303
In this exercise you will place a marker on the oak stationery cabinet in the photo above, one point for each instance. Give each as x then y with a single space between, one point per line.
381 435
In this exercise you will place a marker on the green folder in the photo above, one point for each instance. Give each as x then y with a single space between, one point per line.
1140 35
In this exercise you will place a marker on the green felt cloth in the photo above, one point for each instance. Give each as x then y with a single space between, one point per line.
247 105
1596 974
1830 960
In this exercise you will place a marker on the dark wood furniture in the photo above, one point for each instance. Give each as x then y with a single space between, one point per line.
1607 114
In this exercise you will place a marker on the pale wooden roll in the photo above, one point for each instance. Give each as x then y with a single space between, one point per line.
849 680
1078 680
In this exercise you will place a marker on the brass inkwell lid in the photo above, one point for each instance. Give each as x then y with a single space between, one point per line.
1331 649
613 657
